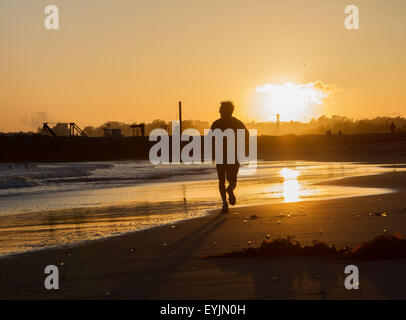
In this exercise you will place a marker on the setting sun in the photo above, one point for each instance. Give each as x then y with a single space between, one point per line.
292 101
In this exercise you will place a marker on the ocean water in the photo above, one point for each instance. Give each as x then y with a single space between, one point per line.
47 205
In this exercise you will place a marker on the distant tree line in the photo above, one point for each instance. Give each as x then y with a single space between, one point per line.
331 125
322 125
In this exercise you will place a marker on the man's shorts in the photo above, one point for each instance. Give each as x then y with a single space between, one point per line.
227 171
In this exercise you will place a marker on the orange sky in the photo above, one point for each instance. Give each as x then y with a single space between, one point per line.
132 60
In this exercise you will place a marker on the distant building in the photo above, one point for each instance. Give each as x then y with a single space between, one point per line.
109 132
61 129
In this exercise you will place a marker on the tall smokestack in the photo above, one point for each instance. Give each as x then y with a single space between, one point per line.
180 117
277 122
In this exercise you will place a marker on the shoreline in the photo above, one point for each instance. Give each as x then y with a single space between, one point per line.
202 212
92 241
140 266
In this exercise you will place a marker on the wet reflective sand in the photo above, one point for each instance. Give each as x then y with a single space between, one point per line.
62 217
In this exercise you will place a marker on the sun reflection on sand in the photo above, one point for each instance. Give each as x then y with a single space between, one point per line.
291 187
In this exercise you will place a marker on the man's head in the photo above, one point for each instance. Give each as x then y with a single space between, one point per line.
226 109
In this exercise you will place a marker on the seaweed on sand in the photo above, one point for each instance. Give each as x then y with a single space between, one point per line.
384 246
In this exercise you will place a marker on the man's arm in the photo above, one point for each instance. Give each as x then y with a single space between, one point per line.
247 136
239 125
213 149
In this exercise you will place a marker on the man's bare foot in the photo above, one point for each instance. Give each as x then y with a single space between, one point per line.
225 208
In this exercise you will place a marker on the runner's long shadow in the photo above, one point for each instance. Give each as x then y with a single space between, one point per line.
171 260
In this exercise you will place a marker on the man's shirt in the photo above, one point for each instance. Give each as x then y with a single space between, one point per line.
225 123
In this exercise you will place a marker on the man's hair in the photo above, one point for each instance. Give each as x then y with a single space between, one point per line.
226 108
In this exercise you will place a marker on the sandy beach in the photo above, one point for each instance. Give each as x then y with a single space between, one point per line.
169 263
243 153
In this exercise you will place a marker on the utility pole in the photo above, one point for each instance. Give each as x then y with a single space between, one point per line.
180 117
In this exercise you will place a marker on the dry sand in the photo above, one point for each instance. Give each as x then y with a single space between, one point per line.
177 271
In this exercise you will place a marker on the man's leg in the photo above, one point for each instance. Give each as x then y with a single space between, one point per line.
221 173
232 172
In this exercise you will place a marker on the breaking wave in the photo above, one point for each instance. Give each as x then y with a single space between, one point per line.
18 182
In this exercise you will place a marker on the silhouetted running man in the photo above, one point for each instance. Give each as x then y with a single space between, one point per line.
226 170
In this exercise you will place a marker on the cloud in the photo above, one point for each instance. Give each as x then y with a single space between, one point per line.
35 120
328 89
316 86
